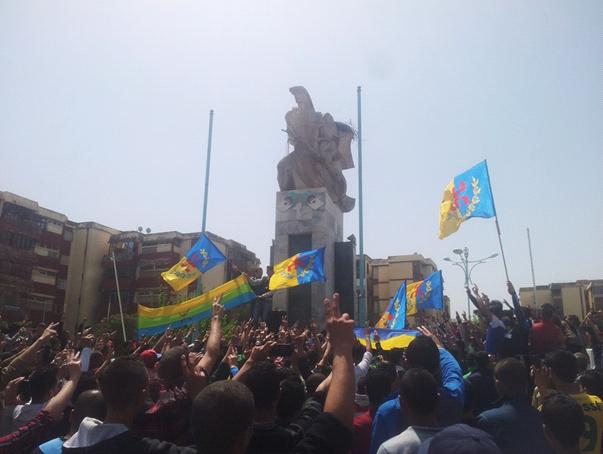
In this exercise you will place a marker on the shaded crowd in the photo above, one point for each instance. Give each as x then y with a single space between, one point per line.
499 380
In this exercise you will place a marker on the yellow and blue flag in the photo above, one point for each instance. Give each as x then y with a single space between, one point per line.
425 294
302 268
468 195
394 316
389 338
203 256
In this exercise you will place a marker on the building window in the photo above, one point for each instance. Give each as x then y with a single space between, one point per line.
68 235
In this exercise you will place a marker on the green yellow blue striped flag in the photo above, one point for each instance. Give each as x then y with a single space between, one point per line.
156 320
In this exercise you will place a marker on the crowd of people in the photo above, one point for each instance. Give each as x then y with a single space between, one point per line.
500 380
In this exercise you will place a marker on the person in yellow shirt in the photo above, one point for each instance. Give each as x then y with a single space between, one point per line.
559 373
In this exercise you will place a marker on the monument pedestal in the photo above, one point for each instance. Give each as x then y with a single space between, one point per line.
306 219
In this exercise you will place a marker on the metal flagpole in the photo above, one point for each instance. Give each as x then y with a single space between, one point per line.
207 163
121 312
532 264
502 251
362 286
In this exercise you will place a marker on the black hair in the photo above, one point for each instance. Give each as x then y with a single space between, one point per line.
358 351
419 391
41 383
291 400
122 381
563 364
563 416
89 404
96 360
512 374
423 352
379 382
220 412
496 308
170 368
394 355
263 382
482 360
582 361
86 382
592 382
547 311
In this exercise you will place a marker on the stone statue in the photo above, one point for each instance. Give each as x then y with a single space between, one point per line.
321 151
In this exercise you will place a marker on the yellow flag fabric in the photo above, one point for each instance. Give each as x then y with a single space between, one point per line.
302 268
450 221
411 297
181 274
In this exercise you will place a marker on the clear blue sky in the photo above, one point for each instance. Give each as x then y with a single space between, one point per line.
103 117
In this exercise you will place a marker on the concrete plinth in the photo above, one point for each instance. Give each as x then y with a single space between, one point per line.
306 219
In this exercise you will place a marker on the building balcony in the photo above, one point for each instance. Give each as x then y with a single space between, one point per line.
48 261
15 283
24 227
45 289
15 255
124 258
149 281
168 255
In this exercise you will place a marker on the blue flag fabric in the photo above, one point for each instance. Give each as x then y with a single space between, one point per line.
468 195
430 294
395 315
204 254
467 183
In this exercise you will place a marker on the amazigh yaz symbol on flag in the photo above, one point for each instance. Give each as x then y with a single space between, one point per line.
203 256
467 196
302 268
394 316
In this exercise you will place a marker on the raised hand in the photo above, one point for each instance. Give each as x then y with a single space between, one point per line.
426 332
49 332
216 308
260 352
340 327
73 365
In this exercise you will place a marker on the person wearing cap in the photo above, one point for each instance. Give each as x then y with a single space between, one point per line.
418 399
150 358
515 425
460 439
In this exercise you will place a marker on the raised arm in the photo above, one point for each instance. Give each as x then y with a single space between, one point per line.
479 303
212 349
340 398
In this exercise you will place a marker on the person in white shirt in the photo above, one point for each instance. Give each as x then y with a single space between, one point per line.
418 400
362 357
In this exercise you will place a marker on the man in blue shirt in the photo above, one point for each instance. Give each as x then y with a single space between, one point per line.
425 351
516 426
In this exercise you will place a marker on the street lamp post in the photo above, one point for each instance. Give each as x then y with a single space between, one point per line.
467 266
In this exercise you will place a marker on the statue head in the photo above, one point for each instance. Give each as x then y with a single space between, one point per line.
302 97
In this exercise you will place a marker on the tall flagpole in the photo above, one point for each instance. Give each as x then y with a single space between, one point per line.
121 312
532 264
362 287
502 251
207 164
